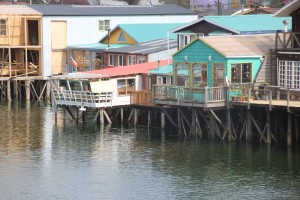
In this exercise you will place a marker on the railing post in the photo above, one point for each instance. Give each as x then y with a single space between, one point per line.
206 95
270 99
228 95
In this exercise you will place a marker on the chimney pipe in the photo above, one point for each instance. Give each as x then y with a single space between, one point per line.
108 39
158 64
285 22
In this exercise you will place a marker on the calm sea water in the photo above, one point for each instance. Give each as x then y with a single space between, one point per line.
40 159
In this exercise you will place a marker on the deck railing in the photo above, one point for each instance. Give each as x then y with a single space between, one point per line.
82 98
182 94
287 40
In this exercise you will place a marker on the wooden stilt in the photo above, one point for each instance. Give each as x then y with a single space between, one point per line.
135 117
162 120
27 87
16 89
297 129
101 116
48 90
193 130
122 115
8 91
249 126
179 121
289 130
268 127
77 114
149 118
229 124
169 117
97 115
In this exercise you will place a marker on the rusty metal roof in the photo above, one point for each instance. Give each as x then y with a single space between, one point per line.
17 10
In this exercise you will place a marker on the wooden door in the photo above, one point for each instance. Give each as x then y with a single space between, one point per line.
59 46
219 74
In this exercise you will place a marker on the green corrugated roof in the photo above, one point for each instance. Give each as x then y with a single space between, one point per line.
250 23
165 70
148 32
96 46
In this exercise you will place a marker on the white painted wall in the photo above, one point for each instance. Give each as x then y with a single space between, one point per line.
84 30
162 55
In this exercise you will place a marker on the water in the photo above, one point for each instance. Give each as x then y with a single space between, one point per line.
43 160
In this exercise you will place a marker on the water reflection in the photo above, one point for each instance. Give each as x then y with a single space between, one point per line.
41 159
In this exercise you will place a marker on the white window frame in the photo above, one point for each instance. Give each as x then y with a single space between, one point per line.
142 59
3 29
185 39
104 25
288 75
162 80
122 60
131 59
112 60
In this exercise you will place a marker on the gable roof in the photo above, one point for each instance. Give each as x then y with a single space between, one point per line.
236 46
240 24
145 48
288 9
81 10
147 32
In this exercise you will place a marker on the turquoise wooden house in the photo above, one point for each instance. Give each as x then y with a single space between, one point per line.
205 67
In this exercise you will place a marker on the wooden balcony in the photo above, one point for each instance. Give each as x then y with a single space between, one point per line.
198 97
287 40
142 97
81 98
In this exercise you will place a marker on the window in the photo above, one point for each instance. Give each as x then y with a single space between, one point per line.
162 80
142 59
199 74
122 60
2 27
112 59
289 74
122 38
132 59
241 73
182 73
187 38
104 25
125 86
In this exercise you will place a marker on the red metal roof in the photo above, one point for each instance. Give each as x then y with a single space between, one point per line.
143 68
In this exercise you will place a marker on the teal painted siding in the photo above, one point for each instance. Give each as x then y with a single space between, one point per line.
200 52
256 62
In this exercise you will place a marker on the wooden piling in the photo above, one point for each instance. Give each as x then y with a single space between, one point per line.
268 126
149 118
122 115
249 126
101 116
135 117
48 90
27 86
16 89
162 120
289 130
8 90
297 129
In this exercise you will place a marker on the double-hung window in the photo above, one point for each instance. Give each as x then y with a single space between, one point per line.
142 59
132 59
122 60
112 59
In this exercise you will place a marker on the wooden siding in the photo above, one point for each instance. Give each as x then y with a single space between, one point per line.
58 35
200 52
268 71
114 36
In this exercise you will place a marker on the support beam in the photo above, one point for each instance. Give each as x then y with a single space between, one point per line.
48 90
149 118
16 89
106 116
230 136
169 117
69 112
97 115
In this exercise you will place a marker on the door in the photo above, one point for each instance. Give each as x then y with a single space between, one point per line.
219 74
59 46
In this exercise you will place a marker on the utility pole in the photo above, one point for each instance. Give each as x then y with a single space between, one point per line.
219 7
